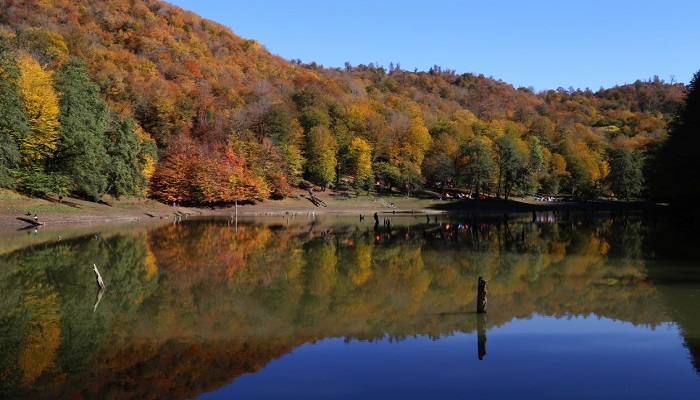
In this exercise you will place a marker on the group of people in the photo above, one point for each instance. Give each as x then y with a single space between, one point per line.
458 195
546 198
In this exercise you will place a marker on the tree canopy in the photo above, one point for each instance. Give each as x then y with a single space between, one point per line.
676 177
137 79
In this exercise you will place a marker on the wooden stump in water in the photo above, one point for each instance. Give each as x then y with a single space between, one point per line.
481 297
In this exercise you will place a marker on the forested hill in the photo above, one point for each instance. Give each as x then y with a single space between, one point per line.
133 97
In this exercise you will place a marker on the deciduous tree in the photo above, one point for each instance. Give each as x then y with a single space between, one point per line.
360 157
41 107
512 158
321 156
557 172
171 180
475 166
439 162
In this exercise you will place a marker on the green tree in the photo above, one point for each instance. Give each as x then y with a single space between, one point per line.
288 136
312 107
625 178
84 117
387 175
536 166
9 159
124 175
512 164
476 167
13 120
676 179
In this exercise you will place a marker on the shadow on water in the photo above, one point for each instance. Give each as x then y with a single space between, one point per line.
195 303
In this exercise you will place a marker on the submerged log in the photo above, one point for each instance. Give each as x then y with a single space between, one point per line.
481 297
98 277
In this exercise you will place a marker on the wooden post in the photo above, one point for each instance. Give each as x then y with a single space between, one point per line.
481 297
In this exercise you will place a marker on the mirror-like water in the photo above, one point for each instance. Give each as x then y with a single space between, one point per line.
334 307
540 357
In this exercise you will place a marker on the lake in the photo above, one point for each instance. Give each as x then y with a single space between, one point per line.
296 306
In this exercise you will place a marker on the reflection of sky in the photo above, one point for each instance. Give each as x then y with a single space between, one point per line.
541 357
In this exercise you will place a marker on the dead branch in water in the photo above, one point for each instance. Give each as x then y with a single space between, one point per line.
100 292
98 277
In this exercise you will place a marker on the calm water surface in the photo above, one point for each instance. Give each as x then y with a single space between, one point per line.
542 357
316 308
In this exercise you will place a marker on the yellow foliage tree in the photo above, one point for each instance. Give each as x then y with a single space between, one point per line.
361 268
41 106
322 262
44 336
293 151
558 165
410 140
361 160
321 155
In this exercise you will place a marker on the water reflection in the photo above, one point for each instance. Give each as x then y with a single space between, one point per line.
481 334
541 357
192 305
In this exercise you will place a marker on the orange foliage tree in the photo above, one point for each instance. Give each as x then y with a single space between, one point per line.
192 173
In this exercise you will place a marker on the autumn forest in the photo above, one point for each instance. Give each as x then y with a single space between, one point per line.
142 98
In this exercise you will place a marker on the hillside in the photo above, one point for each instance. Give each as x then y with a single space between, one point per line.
226 120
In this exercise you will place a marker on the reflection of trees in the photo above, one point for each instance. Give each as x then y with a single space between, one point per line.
207 302
43 337
320 277
677 283
674 269
48 323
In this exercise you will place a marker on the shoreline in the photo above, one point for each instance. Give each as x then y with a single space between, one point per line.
78 218
16 211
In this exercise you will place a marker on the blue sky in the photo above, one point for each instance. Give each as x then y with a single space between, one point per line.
545 44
